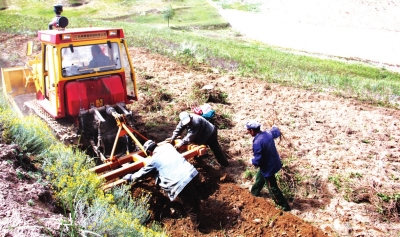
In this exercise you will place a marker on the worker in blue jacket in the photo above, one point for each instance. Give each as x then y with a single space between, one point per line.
266 157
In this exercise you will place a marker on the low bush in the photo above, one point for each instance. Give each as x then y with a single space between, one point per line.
88 210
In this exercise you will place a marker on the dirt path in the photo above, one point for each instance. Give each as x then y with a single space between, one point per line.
365 30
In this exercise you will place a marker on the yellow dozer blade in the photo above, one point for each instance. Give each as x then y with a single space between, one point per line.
18 82
18 86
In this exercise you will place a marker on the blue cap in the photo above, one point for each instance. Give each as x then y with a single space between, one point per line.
252 124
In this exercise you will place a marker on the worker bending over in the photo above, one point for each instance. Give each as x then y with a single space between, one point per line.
175 175
200 132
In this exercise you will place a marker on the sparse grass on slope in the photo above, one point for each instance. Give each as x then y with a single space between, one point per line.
90 211
248 6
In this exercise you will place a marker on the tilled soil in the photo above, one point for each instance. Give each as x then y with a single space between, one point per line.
227 206
334 147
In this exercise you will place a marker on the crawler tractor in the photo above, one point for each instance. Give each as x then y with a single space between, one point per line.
63 87
83 101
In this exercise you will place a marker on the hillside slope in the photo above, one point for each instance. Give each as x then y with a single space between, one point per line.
340 153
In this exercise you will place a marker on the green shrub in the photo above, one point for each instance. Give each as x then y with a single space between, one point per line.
68 171
249 174
111 216
79 190
30 133
89 211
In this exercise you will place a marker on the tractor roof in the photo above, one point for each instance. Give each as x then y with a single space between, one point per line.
79 34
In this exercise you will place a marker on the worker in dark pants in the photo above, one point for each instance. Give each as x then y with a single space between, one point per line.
200 132
266 157
175 175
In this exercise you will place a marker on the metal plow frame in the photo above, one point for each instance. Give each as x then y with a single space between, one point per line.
112 171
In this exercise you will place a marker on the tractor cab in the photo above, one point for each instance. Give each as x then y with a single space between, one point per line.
83 68
82 75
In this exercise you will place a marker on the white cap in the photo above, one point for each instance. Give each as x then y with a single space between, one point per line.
184 117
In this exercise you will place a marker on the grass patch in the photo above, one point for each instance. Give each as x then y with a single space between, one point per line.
240 5
249 173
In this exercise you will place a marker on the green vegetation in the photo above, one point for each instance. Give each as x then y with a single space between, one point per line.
249 173
346 183
31 202
20 175
239 5
77 189
193 46
286 183
355 188
387 198
336 180
168 13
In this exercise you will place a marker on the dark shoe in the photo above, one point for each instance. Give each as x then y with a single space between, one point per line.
202 229
286 208
223 163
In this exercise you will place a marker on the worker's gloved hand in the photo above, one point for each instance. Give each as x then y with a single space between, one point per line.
128 178
177 146
170 140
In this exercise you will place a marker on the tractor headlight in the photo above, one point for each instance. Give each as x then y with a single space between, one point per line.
112 33
66 37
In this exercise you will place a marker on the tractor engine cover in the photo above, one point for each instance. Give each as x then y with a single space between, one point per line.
93 92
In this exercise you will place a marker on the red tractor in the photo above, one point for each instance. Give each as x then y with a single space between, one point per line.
80 84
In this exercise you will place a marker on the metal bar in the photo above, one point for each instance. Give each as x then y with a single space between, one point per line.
115 144
98 115
113 165
116 169
121 107
133 137
126 169
195 151
113 184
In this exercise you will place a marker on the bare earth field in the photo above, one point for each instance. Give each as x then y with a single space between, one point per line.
341 152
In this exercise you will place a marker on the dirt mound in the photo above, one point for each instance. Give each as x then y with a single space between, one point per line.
26 205
228 209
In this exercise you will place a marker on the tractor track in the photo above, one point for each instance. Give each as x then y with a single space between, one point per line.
67 132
